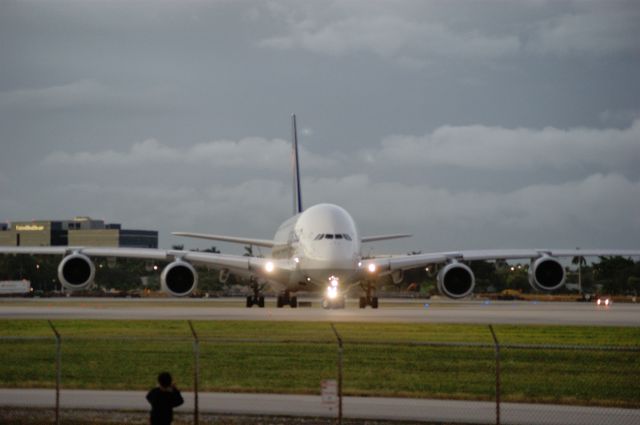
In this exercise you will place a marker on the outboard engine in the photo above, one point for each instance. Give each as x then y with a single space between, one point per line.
76 271
179 278
456 280
546 274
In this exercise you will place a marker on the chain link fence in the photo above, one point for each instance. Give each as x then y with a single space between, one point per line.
484 380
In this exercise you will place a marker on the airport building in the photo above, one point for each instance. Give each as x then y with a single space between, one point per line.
81 231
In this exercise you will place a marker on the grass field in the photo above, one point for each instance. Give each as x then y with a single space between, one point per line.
294 357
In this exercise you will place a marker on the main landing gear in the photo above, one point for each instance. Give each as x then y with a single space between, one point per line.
286 299
257 298
369 298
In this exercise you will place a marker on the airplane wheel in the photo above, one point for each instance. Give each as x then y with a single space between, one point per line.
363 302
325 303
374 302
293 302
342 302
249 302
280 301
261 301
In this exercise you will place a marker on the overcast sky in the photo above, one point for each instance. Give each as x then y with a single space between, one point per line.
484 124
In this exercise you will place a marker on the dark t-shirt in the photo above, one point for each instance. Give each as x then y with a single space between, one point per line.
162 404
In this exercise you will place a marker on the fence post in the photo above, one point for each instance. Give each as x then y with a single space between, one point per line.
340 350
497 350
58 369
196 373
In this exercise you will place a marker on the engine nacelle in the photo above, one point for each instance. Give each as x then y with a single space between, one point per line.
546 274
76 271
179 278
456 280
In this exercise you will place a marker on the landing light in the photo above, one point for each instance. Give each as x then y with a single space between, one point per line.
269 267
332 292
371 267
297 260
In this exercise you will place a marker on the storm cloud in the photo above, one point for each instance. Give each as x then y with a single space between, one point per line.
469 124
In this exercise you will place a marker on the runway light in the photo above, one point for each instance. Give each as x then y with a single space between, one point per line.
371 267
269 267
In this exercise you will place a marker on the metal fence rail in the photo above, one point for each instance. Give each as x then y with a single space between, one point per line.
549 379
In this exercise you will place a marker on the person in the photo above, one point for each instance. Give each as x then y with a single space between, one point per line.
163 399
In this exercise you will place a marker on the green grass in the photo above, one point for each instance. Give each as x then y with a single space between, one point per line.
129 354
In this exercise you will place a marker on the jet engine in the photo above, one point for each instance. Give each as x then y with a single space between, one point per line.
76 271
179 278
546 274
456 280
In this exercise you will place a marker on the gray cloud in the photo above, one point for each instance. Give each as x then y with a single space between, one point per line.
420 35
507 124
82 94
515 150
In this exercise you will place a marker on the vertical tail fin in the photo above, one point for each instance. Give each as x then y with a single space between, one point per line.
297 194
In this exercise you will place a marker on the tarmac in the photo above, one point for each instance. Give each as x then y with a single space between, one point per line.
399 311
395 409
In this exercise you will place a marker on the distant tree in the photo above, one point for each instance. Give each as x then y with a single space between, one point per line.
613 274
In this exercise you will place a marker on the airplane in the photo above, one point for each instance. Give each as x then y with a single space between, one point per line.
317 248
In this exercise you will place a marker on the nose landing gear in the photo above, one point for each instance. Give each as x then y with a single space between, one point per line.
335 303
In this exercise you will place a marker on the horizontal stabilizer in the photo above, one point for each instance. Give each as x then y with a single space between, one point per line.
385 237
247 241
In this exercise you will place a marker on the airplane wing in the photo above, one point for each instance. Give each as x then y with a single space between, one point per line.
248 241
385 237
456 279
406 262
76 270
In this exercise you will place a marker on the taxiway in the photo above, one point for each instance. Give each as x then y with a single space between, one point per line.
391 310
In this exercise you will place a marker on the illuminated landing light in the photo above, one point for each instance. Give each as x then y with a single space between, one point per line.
359 263
372 268
332 292
269 267
296 260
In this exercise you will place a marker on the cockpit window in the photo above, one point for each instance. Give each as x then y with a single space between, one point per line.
332 236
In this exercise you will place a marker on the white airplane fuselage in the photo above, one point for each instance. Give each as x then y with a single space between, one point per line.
324 244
